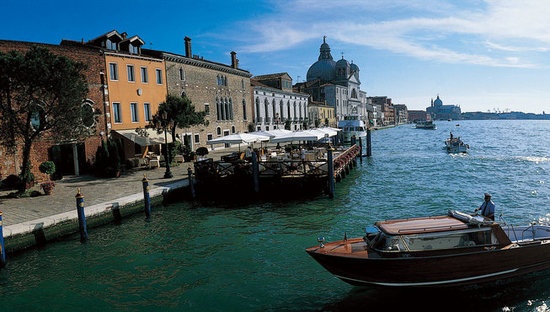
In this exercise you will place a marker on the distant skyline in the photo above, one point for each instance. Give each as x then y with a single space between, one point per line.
490 55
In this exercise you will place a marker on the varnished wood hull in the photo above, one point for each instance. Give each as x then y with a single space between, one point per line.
459 269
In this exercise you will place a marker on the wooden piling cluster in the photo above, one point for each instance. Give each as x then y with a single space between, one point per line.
344 162
273 177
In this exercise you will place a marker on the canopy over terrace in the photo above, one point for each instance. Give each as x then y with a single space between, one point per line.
302 135
239 138
152 138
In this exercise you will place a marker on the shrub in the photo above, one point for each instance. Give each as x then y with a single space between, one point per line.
47 167
10 182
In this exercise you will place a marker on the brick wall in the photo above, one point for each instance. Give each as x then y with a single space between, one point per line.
10 163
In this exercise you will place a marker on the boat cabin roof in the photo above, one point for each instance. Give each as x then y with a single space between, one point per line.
421 225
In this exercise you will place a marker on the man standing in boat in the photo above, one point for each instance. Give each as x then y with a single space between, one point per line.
487 207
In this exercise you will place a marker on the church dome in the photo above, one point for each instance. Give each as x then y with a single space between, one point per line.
438 102
325 67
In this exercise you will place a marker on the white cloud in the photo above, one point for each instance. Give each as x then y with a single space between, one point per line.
460 35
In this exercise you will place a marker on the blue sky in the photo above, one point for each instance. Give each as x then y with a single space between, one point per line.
483 55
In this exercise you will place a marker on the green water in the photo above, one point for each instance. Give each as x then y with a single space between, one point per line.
235 257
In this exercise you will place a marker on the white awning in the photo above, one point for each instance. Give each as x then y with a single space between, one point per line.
152 138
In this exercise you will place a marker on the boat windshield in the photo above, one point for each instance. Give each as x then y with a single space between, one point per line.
435 241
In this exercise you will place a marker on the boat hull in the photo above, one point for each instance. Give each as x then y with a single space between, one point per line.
472 268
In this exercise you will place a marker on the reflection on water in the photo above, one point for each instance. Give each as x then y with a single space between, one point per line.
250 256
519 295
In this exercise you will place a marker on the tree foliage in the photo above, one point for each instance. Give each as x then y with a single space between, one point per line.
40 93
180 113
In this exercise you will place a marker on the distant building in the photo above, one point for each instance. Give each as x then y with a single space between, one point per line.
337 84
276 105
320 114
417 115
439 111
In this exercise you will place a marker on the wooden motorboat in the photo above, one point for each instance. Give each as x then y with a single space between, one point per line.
450 250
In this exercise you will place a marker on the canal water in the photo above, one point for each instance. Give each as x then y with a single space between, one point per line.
251 257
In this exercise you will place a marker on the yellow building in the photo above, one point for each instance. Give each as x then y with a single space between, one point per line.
134 84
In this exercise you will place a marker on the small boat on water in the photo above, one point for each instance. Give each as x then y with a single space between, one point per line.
456 249
455 145
429 124
352 125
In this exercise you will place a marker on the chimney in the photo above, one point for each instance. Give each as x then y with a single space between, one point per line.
234 61
188 47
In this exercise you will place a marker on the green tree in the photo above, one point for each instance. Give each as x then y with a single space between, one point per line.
40 93
177 112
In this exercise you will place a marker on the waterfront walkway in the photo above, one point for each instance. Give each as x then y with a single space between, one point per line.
22 212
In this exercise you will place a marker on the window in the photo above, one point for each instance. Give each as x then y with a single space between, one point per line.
207 108
116 113
218 130
133 110
144 75
113 70
197 138
131 76
159 75
147 111
111 45
244 109
209 137
134 49
222 80
182 74
87 112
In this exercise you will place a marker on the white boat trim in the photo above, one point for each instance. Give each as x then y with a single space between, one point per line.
430 283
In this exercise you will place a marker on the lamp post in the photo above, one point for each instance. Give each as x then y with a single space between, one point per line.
165 123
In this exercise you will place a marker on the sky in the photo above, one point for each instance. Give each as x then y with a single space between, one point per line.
482 55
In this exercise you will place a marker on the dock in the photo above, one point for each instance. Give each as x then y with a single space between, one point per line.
274 173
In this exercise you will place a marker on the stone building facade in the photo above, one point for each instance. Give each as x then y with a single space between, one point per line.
276 105
222 91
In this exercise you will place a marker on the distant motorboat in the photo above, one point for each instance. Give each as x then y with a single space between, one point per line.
352 126
455 145
428 124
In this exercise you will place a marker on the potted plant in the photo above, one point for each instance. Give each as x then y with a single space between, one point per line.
47 167
201 152
48 187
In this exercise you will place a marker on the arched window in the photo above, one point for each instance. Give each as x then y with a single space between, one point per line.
289 115
230 111
266 109
274 107
218 109
233 129
244 110
87 113
182 74
226 109
257 109
353 94
219 131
